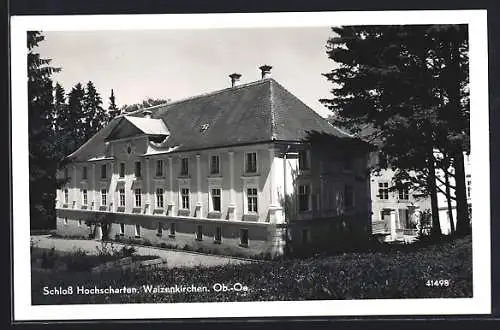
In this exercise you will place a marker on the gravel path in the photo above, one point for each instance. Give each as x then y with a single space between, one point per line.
174 258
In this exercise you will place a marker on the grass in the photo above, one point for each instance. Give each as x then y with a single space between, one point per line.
383 272
44 260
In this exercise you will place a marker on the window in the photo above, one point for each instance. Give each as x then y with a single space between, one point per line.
122 197
252 200
304 160
348 196
137 169
84 196
66 175
468 185
65 220
304 197
79 222
184 166
214 164
160 230
404 193
122 170
66 196
348 164
216 199
84 173
305 235
137 230
138 196
244 237
159 167
218 234
159 197
122 229
172 229
199 233
383 190
328 195
251 162
104 196
103 171
185 198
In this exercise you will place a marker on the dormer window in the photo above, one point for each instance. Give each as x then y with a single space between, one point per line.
204 127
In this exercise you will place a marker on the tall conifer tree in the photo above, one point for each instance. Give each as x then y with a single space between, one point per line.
409 83
43 157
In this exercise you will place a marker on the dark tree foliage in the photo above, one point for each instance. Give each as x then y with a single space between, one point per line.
69 121
94 116
409 85
43 155
113 110
149 102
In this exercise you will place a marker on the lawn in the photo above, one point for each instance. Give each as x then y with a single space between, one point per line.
442 269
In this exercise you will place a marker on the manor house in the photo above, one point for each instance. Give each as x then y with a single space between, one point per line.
246 170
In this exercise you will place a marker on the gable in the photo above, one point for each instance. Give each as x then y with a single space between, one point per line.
123 130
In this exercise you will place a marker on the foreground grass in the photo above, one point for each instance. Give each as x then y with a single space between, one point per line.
393 273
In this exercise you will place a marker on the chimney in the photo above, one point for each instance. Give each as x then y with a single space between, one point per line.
235 79
147 113
266 71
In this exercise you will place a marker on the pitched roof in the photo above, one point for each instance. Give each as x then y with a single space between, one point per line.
370 134
260 111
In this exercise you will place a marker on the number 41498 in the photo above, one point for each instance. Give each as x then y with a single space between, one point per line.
437 283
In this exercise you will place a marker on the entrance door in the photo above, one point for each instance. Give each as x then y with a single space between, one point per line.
385 215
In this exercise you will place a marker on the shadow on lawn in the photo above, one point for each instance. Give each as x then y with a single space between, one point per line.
375 246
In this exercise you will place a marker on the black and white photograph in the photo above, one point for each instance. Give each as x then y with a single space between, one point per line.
266 164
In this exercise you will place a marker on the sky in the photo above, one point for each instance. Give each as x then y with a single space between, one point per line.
175 64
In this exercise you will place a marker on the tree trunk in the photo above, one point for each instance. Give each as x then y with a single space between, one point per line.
448 201
455 97
463 227
431 181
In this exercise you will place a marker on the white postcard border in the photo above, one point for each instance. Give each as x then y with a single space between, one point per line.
479 304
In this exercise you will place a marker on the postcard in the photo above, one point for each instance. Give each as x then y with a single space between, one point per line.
250 165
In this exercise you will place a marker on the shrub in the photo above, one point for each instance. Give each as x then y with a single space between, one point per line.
400 272
127 251
49 258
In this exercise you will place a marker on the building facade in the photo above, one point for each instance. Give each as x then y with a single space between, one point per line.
397 215
247 170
